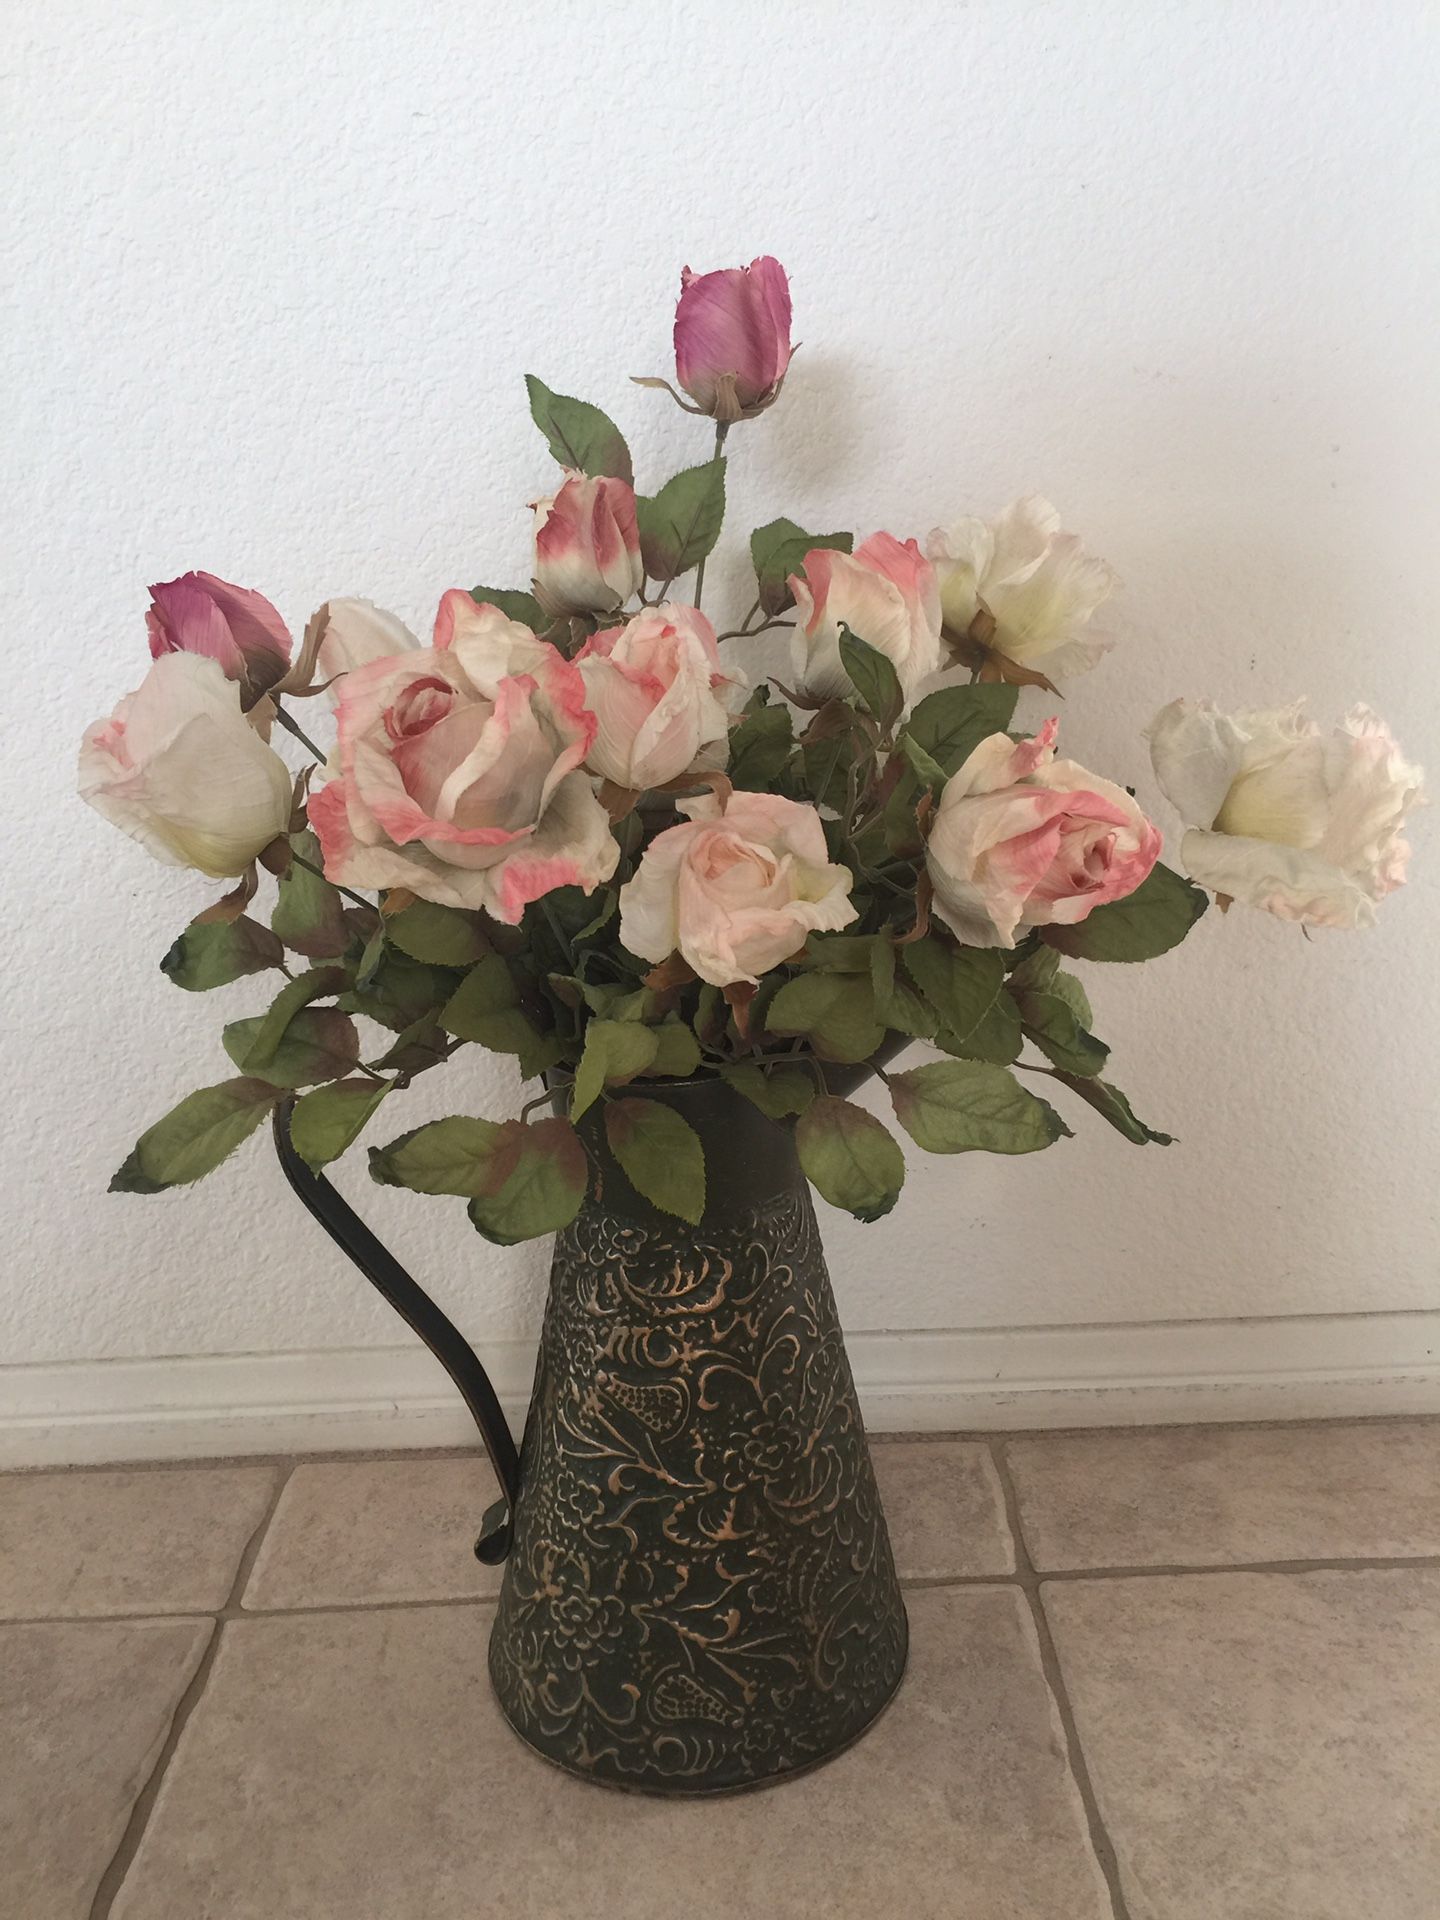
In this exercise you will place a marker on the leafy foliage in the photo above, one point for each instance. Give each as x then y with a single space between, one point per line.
681 523
850 1158
579 435
964 1106
660 1155
1152 920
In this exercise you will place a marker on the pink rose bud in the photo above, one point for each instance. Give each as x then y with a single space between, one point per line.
587 546
199 613
732 337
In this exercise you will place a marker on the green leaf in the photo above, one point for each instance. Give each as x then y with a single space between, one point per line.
401 992
319 1043
485 1008
966 988
927 771
422 1044
268 1031
835 1010
968 1106
843 952
1112 1104
580 436
896 1002
827 766
195 1137
777 1093
523 607
873 676
456 1155
950 724
850 1158
215 952
614 1051
677 1052
660 1155
487 989
681 523
309 915
778 550
329 1119
760 744
1156 917
1057 1018
539 1176
443 936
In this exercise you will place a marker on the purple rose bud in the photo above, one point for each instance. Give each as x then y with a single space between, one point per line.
199 613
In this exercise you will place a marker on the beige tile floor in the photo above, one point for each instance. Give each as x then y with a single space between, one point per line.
1167 1674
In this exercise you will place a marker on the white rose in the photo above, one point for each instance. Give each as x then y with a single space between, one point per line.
179 768
1307 825
1038 584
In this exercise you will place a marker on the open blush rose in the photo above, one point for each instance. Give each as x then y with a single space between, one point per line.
655 688
1306 825
456 772
179 768
1022 840
736 888
587 546
885 593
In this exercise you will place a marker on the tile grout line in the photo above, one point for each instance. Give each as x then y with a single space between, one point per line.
233 1610
112 1879
1026 1577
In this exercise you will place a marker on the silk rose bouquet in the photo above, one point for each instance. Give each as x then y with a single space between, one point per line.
565 829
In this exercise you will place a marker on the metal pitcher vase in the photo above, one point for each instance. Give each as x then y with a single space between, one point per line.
699 1593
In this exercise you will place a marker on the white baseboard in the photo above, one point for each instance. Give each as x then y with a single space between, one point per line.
203 1406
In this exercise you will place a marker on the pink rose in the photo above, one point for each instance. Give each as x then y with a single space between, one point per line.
885 593
732 337
736 888
587 546
459 770
179 768
653 686
199 613
1023 840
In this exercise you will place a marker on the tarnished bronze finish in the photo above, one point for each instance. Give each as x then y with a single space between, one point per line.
700 1593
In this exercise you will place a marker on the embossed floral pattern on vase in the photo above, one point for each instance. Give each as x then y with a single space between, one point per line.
701 1591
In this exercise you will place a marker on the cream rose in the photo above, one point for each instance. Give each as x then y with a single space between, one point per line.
885 593
457 770
1038 584
735 888
654 687
1306 825
1023 840
179 768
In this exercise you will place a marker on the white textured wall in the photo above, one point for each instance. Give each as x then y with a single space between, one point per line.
275 272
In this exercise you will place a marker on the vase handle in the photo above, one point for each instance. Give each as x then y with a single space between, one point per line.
423 1317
